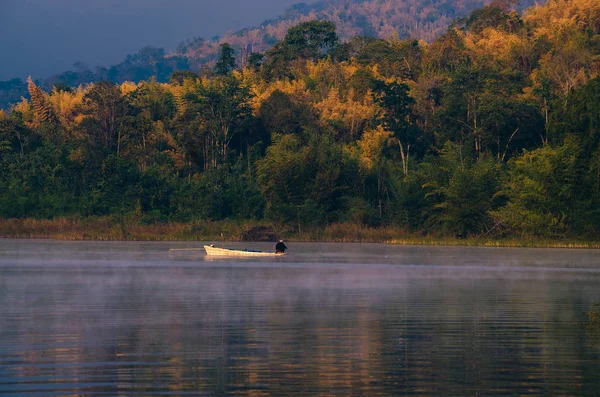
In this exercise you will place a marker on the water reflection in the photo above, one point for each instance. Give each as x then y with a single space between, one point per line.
129 319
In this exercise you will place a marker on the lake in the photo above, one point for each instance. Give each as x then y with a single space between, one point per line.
133 319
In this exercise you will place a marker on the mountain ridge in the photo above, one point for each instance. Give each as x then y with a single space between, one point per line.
419 19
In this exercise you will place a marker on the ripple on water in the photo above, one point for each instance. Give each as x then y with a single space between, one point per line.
134 320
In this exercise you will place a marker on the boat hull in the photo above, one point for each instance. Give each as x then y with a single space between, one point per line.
214 251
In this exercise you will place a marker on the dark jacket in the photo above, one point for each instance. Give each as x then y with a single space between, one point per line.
280 247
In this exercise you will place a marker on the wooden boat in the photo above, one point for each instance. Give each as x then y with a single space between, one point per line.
214 251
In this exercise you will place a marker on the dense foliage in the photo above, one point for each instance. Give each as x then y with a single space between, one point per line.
492 129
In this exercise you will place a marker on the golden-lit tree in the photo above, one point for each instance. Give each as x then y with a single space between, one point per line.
67 106
43 112
352 115
373 145
554 16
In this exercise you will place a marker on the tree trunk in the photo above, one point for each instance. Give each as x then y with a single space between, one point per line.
404 157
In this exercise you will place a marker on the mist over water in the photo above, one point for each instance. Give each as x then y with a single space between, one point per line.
133 319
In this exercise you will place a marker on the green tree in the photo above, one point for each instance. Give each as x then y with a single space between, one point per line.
306 41
14 135
494 16
541 190
105 108
280 113
311 40
226 63
117 189
393 98
580 116
224 107
255 60
302 183
460 192
508 126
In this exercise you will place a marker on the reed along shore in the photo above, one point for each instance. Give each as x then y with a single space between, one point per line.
117 228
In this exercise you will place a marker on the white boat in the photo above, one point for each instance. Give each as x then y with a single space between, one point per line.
214 251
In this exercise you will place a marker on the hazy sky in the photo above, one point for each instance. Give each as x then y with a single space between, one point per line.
44 37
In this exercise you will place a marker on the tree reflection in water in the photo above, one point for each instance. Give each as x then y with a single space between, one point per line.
287 329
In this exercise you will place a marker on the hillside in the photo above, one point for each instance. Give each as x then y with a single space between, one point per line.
492 129
420 19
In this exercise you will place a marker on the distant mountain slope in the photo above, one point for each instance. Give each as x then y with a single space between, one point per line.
422 19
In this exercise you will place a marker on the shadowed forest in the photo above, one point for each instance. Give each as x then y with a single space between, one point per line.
492 129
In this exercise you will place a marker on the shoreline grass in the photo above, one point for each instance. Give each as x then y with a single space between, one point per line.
126 228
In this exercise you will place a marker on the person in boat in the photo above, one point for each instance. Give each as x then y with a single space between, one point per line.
280 247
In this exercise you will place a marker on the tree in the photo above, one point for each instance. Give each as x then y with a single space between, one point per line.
448 53
571 63
282 114
105 107
226 63
306 41
508 126
541 192
311 40
43 111
393 98
493 16
255 60
460 191
459 119
346 117
579 120
144 130
374 147
580 116
14 136
224 106
302 182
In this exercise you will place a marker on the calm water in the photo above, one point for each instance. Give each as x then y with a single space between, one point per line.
132 319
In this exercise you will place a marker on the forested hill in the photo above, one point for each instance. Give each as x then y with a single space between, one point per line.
492 129
420 19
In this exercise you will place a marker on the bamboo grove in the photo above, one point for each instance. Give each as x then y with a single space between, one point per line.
491 129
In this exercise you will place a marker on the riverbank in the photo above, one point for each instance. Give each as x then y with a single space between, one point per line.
130 229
